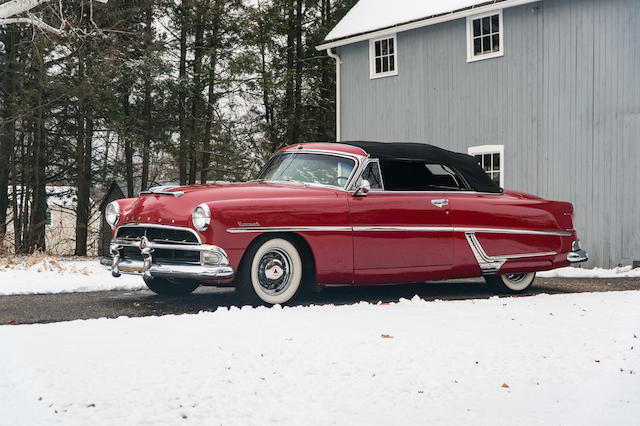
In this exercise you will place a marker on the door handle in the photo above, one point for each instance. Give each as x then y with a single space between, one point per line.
440 203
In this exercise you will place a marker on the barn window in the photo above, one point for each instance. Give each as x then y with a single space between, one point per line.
49 217
491 159
383 54
484 36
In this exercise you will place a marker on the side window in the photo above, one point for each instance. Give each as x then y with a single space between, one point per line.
372 173
411 175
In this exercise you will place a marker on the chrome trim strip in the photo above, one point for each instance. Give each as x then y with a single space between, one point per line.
290 229
152 225
511 231
394 229
490 265
405 228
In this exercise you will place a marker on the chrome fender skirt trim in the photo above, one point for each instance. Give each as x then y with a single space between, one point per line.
490 265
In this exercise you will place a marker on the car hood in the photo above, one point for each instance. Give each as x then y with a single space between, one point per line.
174 205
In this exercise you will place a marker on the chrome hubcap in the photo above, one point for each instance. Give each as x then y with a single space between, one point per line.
274 271
516 278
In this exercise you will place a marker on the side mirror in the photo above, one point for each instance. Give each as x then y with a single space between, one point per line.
363 188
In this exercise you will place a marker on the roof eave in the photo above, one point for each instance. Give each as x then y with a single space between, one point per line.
424 22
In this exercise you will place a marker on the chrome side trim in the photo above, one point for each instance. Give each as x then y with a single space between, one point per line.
405 228
490 265
511 231
152 225
290 229
393 229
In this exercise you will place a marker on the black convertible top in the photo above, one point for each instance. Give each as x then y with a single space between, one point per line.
463 163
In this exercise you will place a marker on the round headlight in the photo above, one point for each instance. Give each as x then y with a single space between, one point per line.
112 213
201 217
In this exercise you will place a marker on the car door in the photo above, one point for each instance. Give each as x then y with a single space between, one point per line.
400 229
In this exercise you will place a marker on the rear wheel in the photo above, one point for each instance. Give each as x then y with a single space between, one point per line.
167 287
511 283
271 273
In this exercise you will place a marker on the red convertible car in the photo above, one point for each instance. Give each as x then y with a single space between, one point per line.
355 213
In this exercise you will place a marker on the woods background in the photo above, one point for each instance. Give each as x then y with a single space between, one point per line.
154 91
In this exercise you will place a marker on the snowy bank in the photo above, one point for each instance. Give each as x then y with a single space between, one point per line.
39 274
563 359
571 272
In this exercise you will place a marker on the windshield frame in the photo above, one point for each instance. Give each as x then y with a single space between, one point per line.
356 167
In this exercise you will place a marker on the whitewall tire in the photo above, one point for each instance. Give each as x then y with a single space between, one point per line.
511 283
272 273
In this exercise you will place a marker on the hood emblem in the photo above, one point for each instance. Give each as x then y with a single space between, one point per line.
245 224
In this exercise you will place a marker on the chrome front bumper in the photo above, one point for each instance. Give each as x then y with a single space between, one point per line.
577 254
214 264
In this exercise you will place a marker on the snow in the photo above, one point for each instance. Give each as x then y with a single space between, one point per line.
41 274
371 15
563 359
572 272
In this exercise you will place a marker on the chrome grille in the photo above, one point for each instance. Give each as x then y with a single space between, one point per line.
157 234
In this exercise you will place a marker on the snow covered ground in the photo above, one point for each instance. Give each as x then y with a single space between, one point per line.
565 359
39 274
46 274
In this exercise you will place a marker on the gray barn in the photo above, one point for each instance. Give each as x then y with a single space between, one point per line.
546 94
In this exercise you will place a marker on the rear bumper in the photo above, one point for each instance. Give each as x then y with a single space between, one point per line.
577 254
214 264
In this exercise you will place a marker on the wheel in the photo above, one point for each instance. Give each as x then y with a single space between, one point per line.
168 287
511 283
271 273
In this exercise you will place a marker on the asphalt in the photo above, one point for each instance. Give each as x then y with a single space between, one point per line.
46 308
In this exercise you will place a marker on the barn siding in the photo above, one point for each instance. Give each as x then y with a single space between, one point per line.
564 100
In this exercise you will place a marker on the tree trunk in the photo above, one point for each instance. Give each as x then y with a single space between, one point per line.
82 187
182 73
297 107
196 101
37 222
128 143
212 99
289 108
147 97
8 129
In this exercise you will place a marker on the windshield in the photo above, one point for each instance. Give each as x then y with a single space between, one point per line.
309 168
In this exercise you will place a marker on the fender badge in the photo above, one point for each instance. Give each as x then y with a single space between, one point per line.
245 224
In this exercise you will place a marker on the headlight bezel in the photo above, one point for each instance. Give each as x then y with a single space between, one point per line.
201 217
112 211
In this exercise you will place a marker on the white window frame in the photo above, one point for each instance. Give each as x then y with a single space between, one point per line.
470 56
372 57
490 149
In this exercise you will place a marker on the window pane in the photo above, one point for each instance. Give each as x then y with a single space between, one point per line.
384 47
392 63
385 63
486 26
378 65
391 46
495 27
496 42
496 161
377 44
486 158
486 43
479 158
477 46
476 27
496 177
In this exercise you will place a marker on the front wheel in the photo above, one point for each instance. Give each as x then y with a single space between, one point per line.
271 273
511 283
166 287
